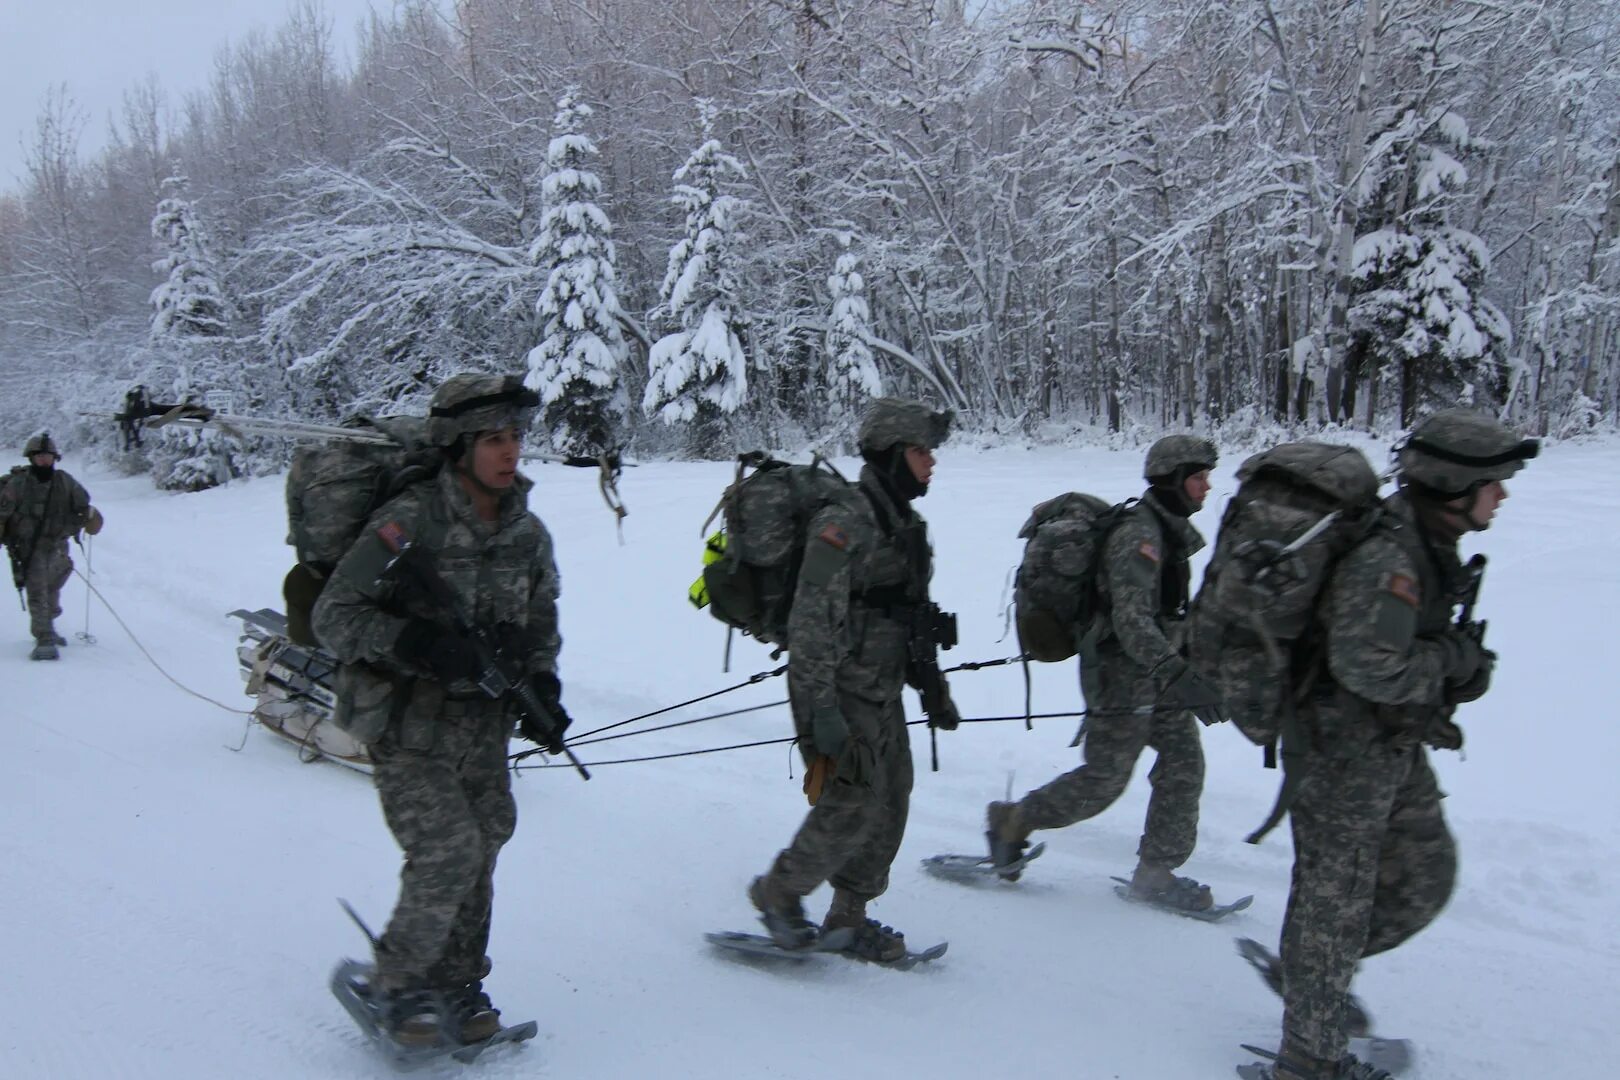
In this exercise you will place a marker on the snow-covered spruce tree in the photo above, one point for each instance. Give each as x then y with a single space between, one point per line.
190 326
699 374
576 366
851 375
1418 305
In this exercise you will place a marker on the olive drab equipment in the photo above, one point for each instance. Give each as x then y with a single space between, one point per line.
1299 508
332 491
1055 595
751 565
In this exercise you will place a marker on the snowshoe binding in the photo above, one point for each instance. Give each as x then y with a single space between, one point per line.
1160 888
45 649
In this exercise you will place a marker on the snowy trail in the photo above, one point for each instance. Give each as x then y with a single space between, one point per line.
175 900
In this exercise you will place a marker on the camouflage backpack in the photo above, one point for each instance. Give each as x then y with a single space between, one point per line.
1299 507
751 566
1055 593
332 491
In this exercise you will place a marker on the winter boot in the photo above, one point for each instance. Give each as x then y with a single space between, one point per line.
60 640
45 649
474 1017
872 941
782 913
1158 885
1357 1021
1007 834
412 1017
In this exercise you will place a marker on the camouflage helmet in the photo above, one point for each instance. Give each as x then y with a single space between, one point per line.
1179 455
41 444
468 403
1456 451
890 421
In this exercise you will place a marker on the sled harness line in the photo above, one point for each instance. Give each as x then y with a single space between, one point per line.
149 657
516 767
590 737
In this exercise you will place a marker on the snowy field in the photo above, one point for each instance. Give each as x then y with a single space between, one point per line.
169 905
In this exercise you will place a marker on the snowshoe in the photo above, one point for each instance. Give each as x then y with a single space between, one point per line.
1357 1021
408 1028
968 869
1275 1067
1185 897
45 649
837 942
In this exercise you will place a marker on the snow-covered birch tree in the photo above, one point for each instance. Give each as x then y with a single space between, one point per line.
852 375
576 366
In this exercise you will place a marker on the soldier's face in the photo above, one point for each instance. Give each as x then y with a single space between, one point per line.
920 460
43 461
1196 488
1486 500
495 457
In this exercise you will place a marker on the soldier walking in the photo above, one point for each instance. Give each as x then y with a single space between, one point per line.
41 507
1139 690
865 575
1373 860
437 742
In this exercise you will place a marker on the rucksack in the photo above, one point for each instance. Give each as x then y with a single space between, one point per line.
1299 508
1055 596
332 491
751 565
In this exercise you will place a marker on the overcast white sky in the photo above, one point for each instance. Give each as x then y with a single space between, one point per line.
100 48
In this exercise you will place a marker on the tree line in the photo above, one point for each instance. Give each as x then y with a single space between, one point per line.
700 223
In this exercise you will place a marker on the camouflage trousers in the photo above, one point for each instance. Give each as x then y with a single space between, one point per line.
1121 722
451 809
1373 864
852 834
47 572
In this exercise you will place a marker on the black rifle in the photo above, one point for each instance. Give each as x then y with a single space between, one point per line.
1475 577
929 631
413 567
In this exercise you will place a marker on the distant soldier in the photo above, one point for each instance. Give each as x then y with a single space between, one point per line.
1139 689
862 585
438 743
41 507
1373 860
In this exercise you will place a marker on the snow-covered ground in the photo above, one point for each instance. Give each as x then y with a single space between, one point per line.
168 904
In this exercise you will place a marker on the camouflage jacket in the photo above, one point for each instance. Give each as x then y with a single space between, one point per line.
1386 605
1143 582
51 511
503 572
856 587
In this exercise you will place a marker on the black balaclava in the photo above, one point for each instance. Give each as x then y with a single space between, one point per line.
896 476
1171 490
42 473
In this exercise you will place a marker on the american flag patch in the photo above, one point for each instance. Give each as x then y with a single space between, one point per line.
1149 551
1405 589
393 537
835 537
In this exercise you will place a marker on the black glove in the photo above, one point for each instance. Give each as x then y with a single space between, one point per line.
1472 688
546 730
1460 656
944 715
1181 687
428 647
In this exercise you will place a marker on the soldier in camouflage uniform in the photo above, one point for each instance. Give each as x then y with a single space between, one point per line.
865 574
1373 860
438 744
1139 690
41 507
